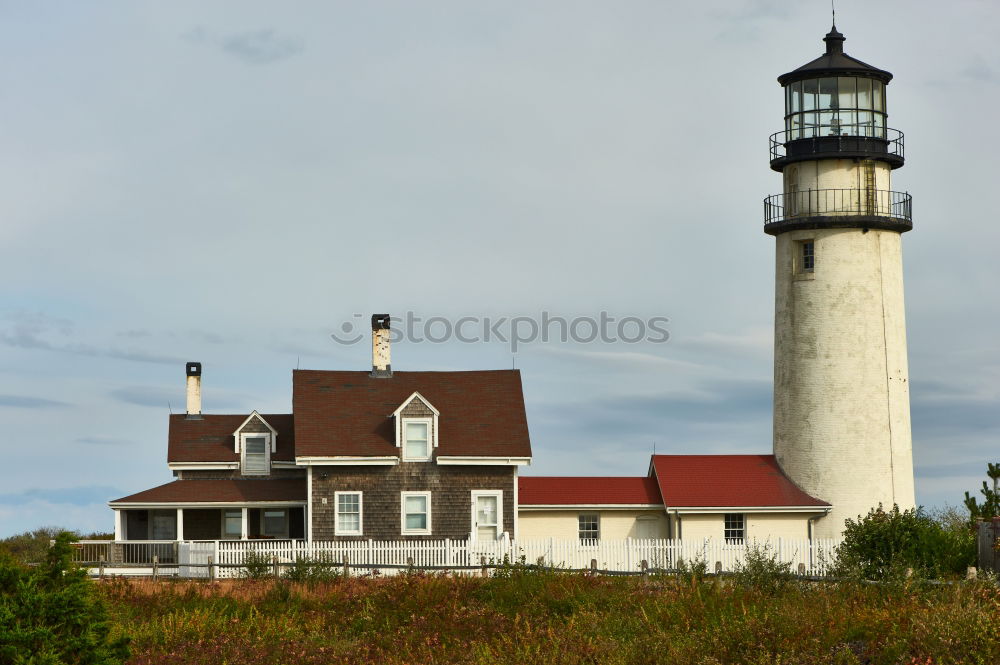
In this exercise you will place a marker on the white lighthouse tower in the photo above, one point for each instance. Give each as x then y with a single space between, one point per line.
841 391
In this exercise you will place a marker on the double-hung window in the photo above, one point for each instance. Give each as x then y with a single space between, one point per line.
232 524
347 519
735 528
415 510
256 455
589 528
416 440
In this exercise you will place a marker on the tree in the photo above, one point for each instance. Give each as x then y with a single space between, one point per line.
884 544
53 615
990 507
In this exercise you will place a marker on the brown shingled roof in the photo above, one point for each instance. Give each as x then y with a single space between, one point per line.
222 491
210 439
347 413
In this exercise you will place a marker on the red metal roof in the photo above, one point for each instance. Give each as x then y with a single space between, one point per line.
565 491
222 491
210 438
347 413
726 480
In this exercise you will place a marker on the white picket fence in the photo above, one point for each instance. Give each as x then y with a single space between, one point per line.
625 556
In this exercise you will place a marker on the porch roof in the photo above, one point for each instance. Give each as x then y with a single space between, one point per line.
221 491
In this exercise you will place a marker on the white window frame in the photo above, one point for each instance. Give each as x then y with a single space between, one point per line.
338 530
580 516
284 535
243 452
741 530
402 514
429 422
473 529
239 534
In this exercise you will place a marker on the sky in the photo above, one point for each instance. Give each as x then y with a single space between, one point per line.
232 183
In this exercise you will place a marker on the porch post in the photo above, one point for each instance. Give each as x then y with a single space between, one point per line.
118 525
180 524
243 526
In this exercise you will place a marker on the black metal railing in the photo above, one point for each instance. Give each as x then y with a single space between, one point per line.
838 203
827 139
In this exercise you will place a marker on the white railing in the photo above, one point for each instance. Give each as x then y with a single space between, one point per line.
624 556
226 558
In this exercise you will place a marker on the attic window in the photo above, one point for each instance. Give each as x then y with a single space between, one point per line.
416 440
256 454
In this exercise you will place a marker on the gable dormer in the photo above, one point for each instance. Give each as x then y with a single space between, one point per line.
255 441
416 422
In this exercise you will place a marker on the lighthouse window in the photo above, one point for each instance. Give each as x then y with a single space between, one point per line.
808 256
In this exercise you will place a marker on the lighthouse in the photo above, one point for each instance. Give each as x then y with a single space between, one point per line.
841 386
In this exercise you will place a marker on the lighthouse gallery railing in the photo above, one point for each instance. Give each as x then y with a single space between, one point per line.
838 203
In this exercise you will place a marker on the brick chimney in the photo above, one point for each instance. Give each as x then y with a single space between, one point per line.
194 391
381 366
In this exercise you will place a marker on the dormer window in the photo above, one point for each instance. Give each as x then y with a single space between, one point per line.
256 455
416 444
416 428
255 442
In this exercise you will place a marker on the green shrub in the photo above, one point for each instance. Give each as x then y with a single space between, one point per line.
887 544
256 566
52 614
761 569
320 568
694 570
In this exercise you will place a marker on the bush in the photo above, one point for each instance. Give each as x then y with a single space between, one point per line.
256 566
694 571
761 569
321 568
52 614
885 544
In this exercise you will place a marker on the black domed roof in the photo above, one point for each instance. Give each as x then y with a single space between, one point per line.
834 63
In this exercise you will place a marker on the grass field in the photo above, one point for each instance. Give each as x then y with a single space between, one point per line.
554 618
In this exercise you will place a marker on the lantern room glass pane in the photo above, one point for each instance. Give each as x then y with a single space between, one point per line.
828 123
809 129
795 97
809 89
866 123
864 94
878 95
847 92
848 122
827 93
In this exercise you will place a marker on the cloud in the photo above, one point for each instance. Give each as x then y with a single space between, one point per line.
23 402
28 331
160 397
88 494
254 47
719 403
102 441
979 70
149 396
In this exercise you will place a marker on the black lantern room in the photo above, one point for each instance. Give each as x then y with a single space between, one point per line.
835 106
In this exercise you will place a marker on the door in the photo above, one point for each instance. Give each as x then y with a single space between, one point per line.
487 517
647 528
